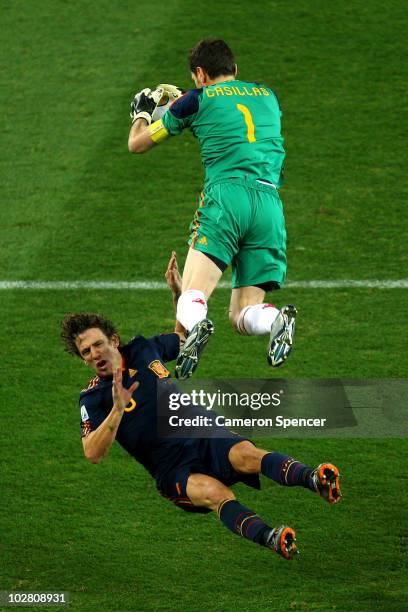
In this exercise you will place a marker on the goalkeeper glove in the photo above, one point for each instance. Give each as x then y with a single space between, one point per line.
143 106
164 95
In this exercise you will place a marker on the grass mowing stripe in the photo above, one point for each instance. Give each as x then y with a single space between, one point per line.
155 285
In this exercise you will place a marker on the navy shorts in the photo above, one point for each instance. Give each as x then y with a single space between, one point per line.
202 456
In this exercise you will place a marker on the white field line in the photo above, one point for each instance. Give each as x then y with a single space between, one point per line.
154 285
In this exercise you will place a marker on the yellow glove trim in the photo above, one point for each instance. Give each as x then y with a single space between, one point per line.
157 131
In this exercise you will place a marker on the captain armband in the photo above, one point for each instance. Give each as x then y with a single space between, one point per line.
157 131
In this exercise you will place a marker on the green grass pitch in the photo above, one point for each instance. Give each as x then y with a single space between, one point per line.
75 205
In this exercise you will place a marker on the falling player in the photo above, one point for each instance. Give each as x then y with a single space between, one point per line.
120 403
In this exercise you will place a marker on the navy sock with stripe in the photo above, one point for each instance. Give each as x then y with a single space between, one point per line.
287 471
243 521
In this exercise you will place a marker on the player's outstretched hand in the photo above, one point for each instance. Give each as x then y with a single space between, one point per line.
173 276
120 395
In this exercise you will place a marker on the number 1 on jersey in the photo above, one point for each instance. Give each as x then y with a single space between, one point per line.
249 122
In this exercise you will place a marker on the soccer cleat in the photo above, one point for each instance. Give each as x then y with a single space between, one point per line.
282 540
326 481
189 355
281 339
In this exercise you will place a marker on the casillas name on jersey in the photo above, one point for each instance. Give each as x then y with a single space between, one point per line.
238 125
143 360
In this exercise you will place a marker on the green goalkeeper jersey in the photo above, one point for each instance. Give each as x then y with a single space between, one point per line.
238 125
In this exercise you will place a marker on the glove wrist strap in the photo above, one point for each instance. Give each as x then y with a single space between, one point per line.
143 115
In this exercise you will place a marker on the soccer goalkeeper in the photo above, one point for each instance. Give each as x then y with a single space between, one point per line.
240 219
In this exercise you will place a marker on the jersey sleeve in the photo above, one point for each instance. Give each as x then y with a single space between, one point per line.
182 112
167 345
90 417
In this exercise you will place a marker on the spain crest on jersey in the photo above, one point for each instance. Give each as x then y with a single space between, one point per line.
159 369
